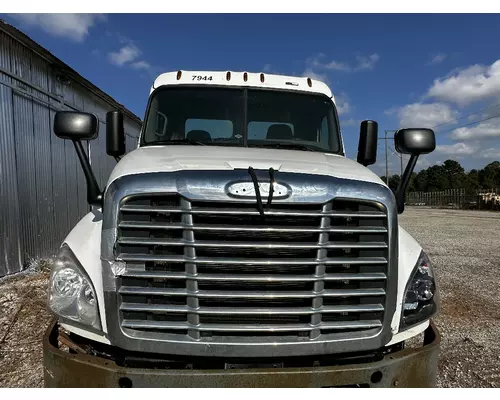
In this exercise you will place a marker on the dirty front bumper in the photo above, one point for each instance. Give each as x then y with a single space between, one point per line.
410 367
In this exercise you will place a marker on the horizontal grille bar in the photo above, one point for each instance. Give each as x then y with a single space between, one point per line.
249 261
241 228
368 276
158 291
246 211
137 324
167 308
245 245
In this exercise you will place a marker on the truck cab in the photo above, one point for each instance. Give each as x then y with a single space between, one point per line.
239 246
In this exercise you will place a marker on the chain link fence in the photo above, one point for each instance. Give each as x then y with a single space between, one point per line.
482 199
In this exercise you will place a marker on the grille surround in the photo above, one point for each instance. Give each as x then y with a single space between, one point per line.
231 339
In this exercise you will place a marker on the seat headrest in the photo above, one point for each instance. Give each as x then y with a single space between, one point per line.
199 135
279 131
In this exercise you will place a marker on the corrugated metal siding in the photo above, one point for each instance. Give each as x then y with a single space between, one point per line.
42 186
60 188
10 246
130 143
43 162
26 173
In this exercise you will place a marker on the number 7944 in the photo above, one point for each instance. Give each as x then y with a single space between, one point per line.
201 78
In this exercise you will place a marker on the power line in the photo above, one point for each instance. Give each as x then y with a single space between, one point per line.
465 116
472 123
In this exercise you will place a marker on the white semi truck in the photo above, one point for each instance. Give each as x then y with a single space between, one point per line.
237 246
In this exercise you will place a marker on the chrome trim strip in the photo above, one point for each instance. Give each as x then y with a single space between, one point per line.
199 227
367 276
255 245
140 324
246 211
254 294
249 261
162 308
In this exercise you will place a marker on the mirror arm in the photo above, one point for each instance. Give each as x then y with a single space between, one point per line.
403 184
94 195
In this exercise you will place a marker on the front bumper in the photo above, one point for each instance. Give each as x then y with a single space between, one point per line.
406 368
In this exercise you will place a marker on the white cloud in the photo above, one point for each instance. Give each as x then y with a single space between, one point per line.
349 122
342 104
269 69
141 65
420 115
473 84
366 62
126 54
335 66
362 63
309 73
483 130
491 153
458 149
72 26
437 59
130 55
476 150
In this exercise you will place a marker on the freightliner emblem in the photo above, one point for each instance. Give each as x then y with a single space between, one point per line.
247 190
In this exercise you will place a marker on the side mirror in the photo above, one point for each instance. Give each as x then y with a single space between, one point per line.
115 134
73 125
367 147
414 142
77 126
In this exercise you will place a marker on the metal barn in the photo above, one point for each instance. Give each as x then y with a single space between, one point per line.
42 187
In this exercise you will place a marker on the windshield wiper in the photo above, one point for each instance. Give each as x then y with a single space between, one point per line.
258 196
179 141
292 146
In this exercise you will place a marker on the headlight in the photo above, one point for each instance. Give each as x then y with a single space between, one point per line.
421 298
71 294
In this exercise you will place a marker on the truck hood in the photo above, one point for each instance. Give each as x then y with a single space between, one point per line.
178 158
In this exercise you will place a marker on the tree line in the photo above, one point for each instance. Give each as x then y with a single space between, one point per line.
451 175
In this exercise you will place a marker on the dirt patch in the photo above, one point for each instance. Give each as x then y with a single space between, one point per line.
462 305
23 320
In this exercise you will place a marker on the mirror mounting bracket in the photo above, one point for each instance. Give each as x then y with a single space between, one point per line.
94 195
403 183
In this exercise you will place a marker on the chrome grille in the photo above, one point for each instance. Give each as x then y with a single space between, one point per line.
218 269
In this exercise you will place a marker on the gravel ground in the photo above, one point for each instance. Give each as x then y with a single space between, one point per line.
23 320
463 246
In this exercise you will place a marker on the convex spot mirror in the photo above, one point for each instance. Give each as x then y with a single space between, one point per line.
415 141
74 125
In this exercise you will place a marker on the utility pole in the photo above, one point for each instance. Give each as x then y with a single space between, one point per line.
386 161
401 159
387 157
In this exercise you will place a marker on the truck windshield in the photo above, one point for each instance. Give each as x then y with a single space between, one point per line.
242 117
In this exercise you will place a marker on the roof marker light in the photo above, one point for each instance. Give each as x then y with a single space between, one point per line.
179 74
309 82
262 78
245 77
228 75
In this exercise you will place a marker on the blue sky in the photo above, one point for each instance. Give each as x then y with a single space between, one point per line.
400 70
